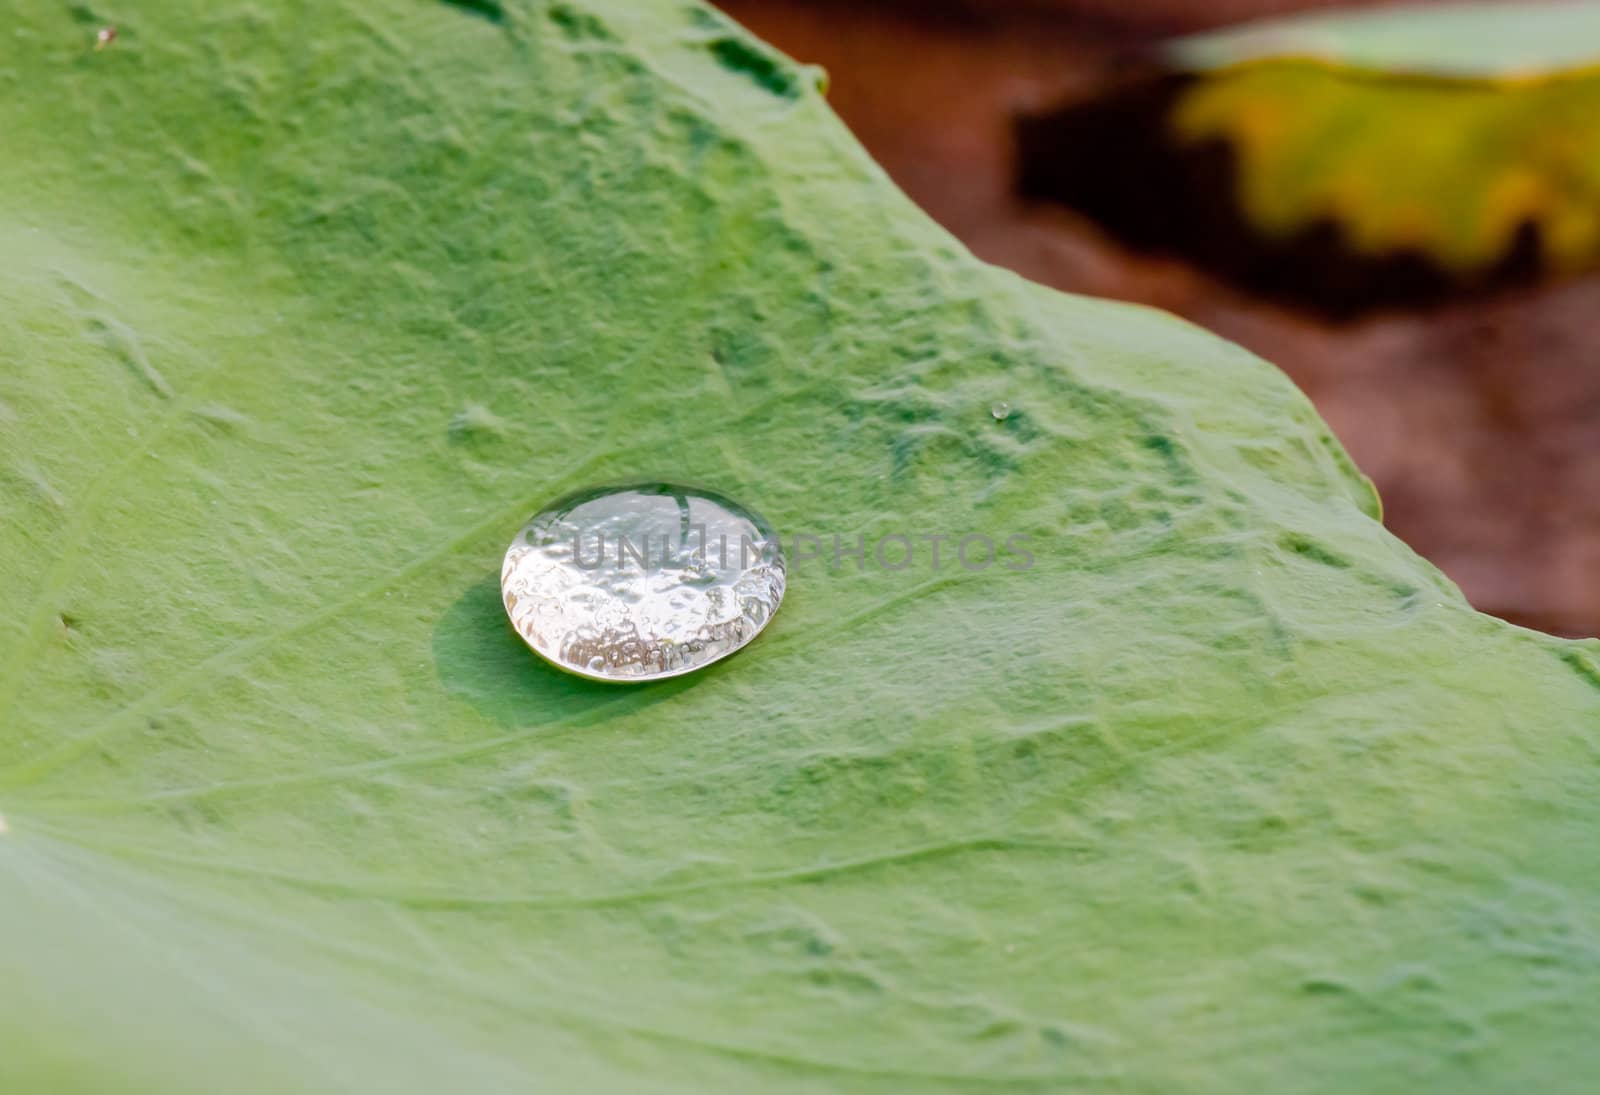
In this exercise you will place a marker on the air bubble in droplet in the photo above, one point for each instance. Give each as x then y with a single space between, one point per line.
640 582
1001 410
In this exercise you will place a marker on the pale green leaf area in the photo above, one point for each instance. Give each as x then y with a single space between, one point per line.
304 308
1476 38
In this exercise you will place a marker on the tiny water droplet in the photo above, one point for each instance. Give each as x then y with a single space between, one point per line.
1001 410
640 582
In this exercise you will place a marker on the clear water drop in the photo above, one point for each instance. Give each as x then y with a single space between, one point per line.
640 582
1001 410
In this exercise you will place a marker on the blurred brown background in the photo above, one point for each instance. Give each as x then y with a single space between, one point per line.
1479 419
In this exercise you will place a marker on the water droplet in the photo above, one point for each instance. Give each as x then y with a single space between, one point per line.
640 582
1001 410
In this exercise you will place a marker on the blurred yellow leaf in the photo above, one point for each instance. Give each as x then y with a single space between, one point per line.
1442 130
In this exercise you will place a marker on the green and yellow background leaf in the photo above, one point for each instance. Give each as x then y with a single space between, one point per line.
305 307
1441 130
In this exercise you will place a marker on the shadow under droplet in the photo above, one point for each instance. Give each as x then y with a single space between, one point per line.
481 660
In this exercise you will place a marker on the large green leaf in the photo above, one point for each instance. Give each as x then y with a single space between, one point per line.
305 307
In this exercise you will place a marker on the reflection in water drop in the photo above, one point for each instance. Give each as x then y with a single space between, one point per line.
1001 411
641 582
